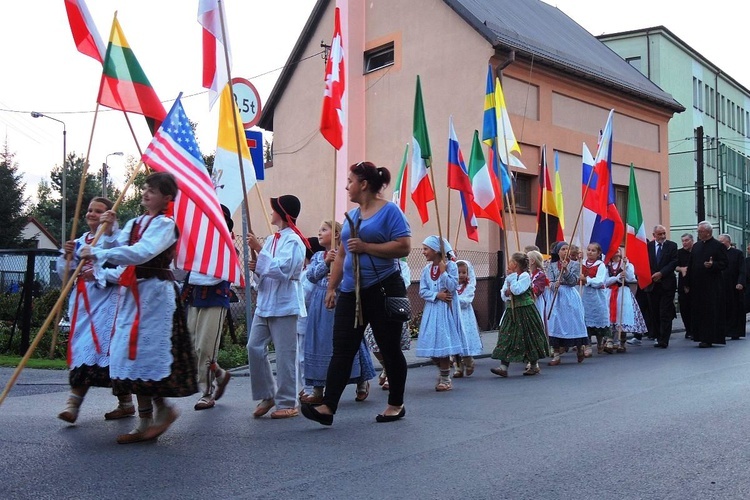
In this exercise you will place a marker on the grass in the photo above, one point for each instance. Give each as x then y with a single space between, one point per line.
45 364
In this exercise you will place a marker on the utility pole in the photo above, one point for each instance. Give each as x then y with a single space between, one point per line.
701 195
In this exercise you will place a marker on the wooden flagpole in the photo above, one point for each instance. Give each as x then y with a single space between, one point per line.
236 124
458 231
573 234
437 209
333 197
63 294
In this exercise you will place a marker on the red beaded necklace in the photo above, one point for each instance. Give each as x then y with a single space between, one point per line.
434 272
461 288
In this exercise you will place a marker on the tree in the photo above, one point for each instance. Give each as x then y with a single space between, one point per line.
12 201
48 210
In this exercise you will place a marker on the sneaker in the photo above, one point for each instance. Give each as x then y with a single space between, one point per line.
635 341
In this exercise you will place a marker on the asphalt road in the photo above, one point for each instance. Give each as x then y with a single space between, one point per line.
649 424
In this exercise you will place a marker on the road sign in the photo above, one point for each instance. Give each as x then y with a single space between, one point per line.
248 101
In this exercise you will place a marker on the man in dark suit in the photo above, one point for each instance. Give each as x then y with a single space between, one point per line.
703 286
733 284
662 257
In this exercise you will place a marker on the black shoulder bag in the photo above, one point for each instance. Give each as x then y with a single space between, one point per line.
396 308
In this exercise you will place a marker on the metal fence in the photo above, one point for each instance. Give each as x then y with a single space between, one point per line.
25 275
488 266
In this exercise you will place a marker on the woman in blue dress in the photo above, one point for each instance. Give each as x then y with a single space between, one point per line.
319 334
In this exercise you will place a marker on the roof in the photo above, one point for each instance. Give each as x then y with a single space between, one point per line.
43 230
533 29
664 30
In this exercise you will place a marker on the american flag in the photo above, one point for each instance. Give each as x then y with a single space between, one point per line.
205 245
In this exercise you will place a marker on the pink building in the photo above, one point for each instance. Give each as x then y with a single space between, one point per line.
560 83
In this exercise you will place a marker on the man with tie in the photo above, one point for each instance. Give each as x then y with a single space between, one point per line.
704 287
662 257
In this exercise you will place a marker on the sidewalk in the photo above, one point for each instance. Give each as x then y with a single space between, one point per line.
489 340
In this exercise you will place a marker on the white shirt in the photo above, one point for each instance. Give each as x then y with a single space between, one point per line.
279 268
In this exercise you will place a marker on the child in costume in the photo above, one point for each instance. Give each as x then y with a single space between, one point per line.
280 301
595 307
624 313
151 351
521 335
440 328
91 310
471 341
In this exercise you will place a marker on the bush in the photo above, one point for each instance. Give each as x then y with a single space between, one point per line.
414 325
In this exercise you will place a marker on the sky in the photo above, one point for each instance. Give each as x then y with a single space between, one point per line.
43 71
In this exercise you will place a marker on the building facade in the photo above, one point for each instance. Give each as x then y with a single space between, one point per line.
720 105
560 83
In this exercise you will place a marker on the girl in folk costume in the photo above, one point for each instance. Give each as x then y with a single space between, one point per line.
440 328
92 312
595 306
151 351
405 331
565 322
307 290
624 313
539 283
471 341
319 335
280 301
521 335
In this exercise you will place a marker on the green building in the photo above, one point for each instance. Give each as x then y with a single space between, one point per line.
714 101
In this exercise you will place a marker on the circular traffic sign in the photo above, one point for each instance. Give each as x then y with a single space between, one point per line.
248 101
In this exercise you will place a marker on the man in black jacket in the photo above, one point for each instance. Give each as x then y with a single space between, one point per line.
662 257
703 286
733 284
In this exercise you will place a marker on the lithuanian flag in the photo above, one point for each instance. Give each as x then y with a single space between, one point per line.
124 85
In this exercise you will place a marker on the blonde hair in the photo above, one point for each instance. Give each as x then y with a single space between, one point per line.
535 258
336 230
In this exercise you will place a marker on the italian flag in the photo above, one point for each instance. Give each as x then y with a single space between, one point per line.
421 157
399 192
483 185
635 241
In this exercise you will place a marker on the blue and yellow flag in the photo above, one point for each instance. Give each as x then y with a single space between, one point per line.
489 133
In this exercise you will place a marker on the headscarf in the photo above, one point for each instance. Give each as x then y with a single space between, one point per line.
472 274
555 253
433 242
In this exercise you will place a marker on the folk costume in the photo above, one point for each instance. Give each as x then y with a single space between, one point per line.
91 309
521 335
624 314
595 306
280 301
565 324
151 351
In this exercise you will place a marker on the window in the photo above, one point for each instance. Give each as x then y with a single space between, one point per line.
708 100
634 62
722 110
712 104
695 92
523 193
700 95
379 57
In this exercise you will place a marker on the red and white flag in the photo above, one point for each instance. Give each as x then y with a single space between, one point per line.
215 70
85 34
332 119
205 244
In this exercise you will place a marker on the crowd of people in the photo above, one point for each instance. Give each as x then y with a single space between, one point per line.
328 302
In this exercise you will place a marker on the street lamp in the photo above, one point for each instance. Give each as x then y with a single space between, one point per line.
105 166
34 114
